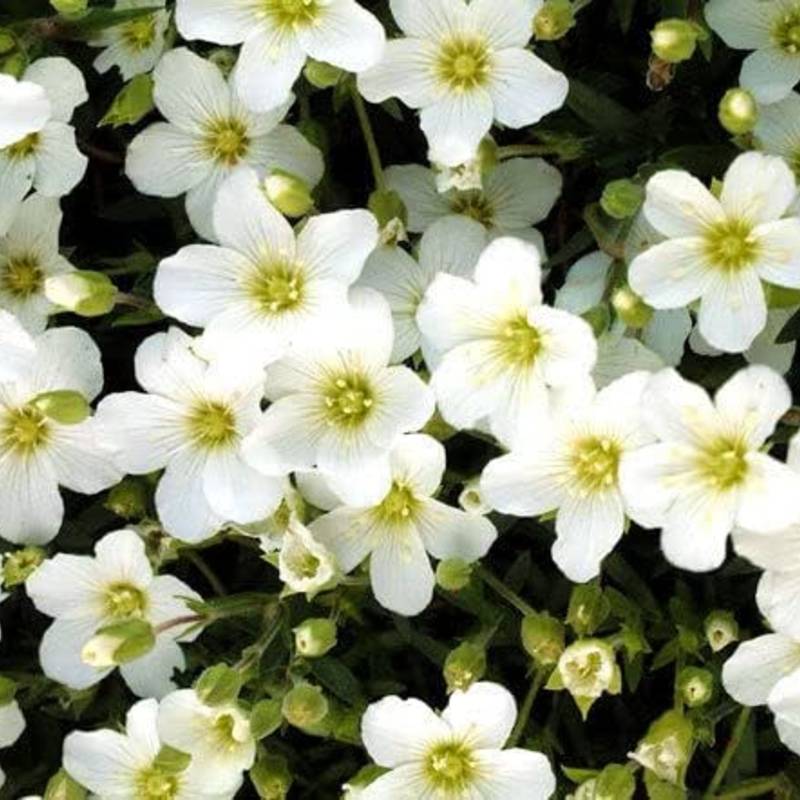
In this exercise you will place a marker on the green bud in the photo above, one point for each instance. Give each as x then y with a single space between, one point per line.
128 499
587 669
19 565
543 638
7 41
219 685
696 686
322 75
622 198
8 690
133 103
64 406
288 193
675 40
62 787
70 8
171 761
781 296
738 111
630 308
271 778
387 206
598 318
224 58
615 782
453 574
721 630
119 643
471 498
304 706
667 746
86 293
315 637
553 20
588 609
265 718
464 666
15 64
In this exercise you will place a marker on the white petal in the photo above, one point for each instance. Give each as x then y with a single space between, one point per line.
285 148
429 19
151 675
16 179
79 461
402 783
453 244
504 26
585 283
62 81
778 599
753 670
675 408
65 585
12 723
569 349
401 574
60 166
406 72
770 74
764 505
416 185
200 201
449 532
779 550
349 533
24 109
671 274
456 124
484 714
740 23
60 653
758 188
522 192
103 761
17 348
678 205
733 311
31 509
779 261
525 483
419 461
509 273
408 405
67 358
666 334
507 770
208 21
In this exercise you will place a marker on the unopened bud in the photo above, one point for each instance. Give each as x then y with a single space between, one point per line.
63 406
721 630
666 748
464 666
543 638
128 499
133 103
8 690
119 643
471 498
7 41
453 574
86 293
675 40
14 64
615 782
622 198
387 206
304 706
553 20
321 74
265 718
630 308
588 609
62 787
587 669
219 685
19 565
289 194
70 8
315 637
738 111
696 686
270 777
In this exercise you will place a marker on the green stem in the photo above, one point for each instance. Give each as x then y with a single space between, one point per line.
252 655
510 596
755 788
369 138
680 662
520 150
730 751
527 707
208 573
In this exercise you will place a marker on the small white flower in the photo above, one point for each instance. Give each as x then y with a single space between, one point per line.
516 195
452 245
134 46
305 565
707 473
207 135
12 724
772 29
465 66
47 158
587 669
24 109
37 454
407 524
278 35
192 421
217 738
495 350
86 593
17 347
339 407
573 468
719 251
265 288
457 753
28 256
125 766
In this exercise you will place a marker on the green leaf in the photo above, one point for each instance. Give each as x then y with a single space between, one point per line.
99 19
338 679
625 9
133 103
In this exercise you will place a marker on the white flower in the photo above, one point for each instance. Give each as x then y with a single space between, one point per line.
573 468
720 250
516 194
207 135
28 256
465 66
455 754
125 766
496 352
305 565
86 593
265 289
278 35
617 355
217 738
587 669
399 531
12 724
777 130
17 347
707 473
772 29
37 454
191 421
134 46
452 244
24 109
48 158
338 406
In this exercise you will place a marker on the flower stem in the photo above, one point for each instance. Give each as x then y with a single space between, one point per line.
208 573
730 751
754 788
510 596
527 707
369 138
519 150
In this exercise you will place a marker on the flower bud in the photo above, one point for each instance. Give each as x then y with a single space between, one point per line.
119 643
543 638
630 308
675 40
322 75
270 777
464 666
553 20
63 406
588 609
696 686
170 761
70 8
128 499
88 294
738 111
305 706
666 748
266 717
62 787
721 630
453 574
615 782
471 498
219 685
305 565
387 206
19 565
14 64
7 41
8 690
622 199
587 669
315 637
133 103
288 193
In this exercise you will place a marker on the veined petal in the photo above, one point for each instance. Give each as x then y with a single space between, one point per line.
507 770
60 166
456 124
151 675
60 652
779 261
103 761
525 485
505 26
522 192
429 19
770 74
285 148
751 673
449 532
733 311
201 199
740 23
769 496
209 21
569 349
62 81
401 574
509 274
778 598
24 109
81 459
349 533
678 205
406 71
758 188
16 179
484 714
419 461
416 186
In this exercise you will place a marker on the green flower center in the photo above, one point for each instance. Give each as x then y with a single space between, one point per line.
786 31
306 565
399 505
731 246
723 464
474 205
227 141
464 63
450 768
292 13
124 600
519 343
211 425
348 400
595 463
276 286
24 148
139 34
154 784
22 276
24 430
